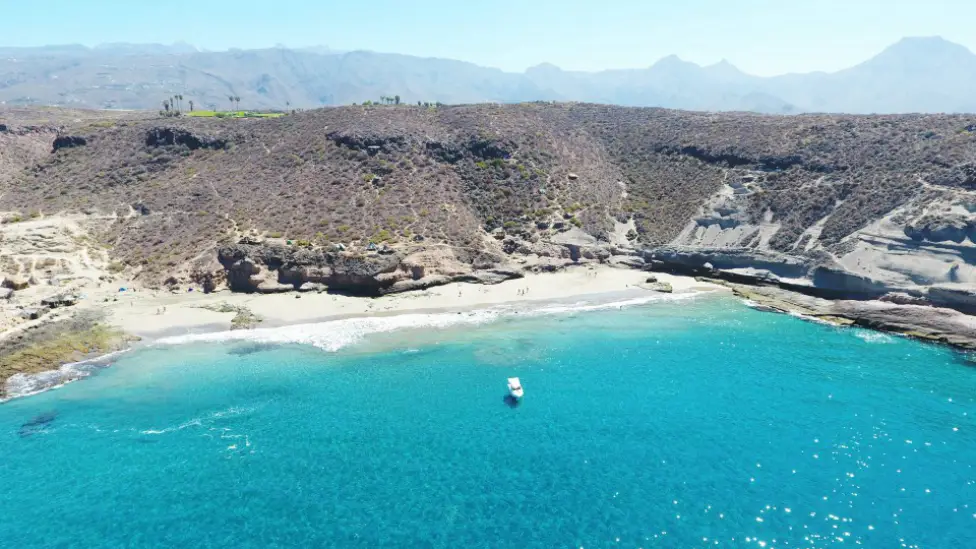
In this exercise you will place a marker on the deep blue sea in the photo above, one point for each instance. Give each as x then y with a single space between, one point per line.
695 423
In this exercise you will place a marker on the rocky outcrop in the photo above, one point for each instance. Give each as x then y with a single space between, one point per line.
841 283
918 321
660 287
165 136
273 268
959 298
929 323
942 228
68 142
16 283
266 268
582 245
901 298
693 260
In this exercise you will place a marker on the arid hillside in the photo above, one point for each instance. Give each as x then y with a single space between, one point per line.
489 181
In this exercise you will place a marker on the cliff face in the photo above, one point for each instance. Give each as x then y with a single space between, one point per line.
846 206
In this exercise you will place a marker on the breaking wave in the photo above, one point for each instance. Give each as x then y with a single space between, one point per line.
873 337
336 334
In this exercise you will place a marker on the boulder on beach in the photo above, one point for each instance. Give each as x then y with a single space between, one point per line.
662 287
16 283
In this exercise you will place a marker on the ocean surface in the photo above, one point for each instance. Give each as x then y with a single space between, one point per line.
668 423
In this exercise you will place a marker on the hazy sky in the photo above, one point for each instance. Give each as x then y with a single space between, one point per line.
759 36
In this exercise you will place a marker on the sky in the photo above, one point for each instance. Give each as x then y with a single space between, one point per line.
763 37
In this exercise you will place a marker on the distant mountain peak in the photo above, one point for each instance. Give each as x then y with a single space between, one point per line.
672 61
724 66
543 68
923 55
134 48
920 46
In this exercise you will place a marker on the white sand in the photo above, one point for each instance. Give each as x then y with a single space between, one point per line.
140 313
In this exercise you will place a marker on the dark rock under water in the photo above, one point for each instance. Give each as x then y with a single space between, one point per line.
37 424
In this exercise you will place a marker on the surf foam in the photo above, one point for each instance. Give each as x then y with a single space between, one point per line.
336 334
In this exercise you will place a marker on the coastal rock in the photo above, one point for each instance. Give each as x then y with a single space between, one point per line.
662 287
746 276
577 242
901 298
930 323
275 267
692 260
490 277
624 250
418 284
64 300
923 322
846 284
33 313
20 385
596 253
632 262
650 280
273 287
16 283
960 298
313 287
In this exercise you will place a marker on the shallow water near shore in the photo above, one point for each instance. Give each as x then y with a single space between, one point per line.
690 423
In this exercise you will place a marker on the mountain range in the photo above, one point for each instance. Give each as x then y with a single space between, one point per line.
924 75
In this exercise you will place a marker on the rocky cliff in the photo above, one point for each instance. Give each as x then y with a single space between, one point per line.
371 200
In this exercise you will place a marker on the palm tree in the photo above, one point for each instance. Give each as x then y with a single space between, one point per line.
396 98
238 99
231 99
180 97
191 105
166 105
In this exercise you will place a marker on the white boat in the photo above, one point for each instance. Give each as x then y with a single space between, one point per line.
515 388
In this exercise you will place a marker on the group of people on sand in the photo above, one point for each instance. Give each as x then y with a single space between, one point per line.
160 310
523 291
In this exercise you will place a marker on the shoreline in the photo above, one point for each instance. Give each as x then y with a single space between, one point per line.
153 316
184 314
147 317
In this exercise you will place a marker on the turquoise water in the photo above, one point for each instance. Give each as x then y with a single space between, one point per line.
692 424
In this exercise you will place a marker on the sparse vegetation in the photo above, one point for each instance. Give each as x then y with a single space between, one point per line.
467 169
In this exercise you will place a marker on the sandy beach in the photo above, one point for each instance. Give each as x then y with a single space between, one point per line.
152 314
